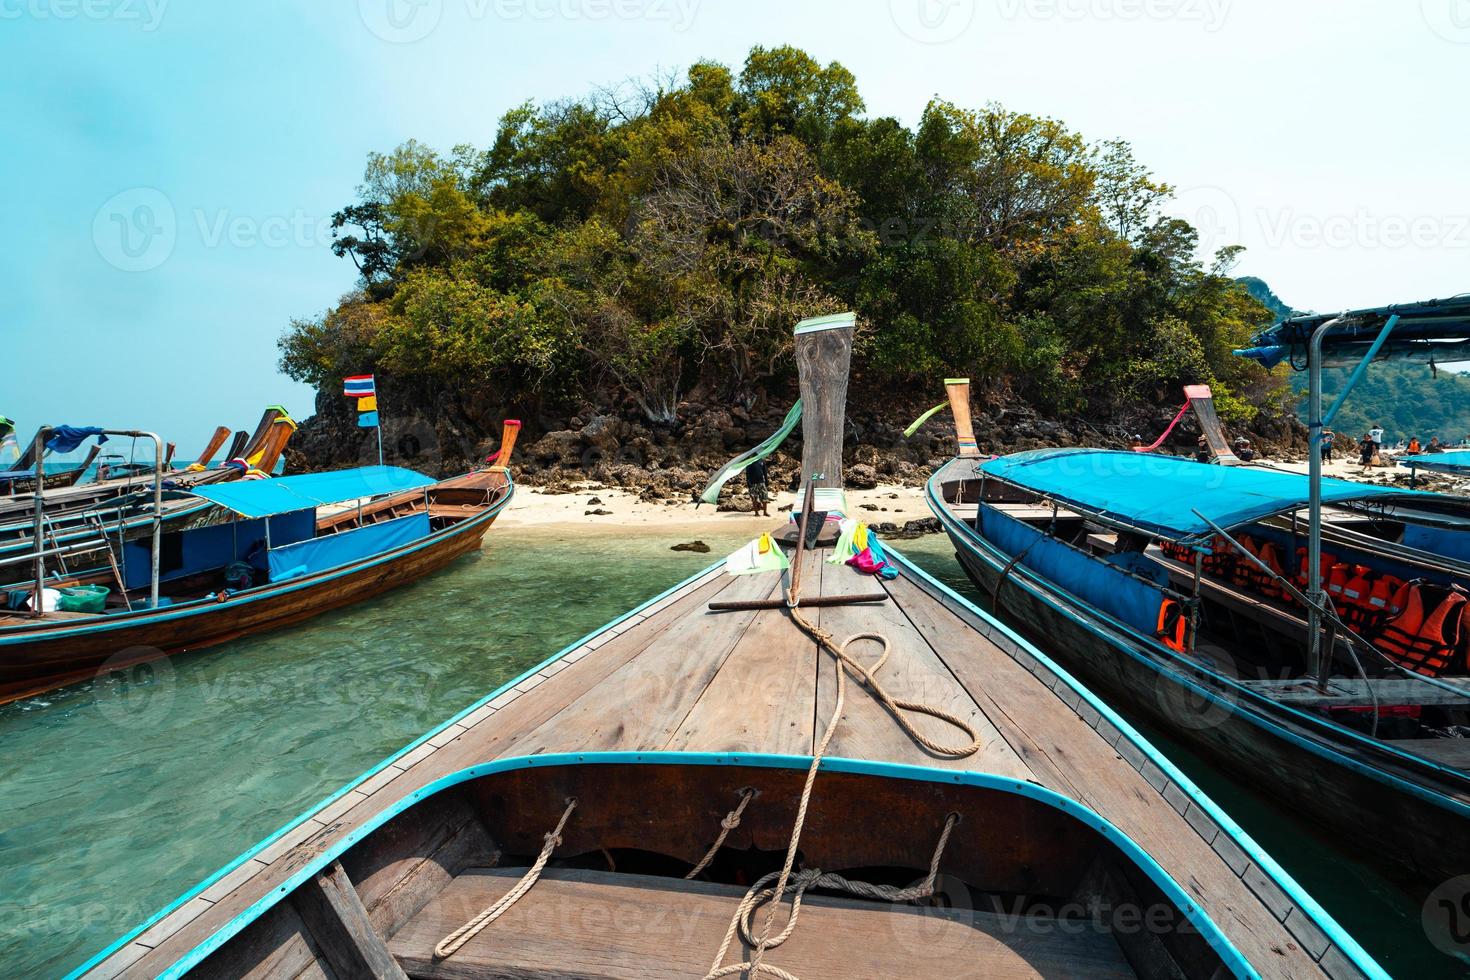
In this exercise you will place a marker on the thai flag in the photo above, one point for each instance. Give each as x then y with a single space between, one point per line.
358 386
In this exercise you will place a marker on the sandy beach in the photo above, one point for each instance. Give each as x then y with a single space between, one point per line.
532 507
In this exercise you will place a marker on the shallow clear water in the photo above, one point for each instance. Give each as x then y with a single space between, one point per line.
119 795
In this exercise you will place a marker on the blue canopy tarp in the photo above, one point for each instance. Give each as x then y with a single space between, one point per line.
334 550
1457 462
1433 331
1160 494
262 498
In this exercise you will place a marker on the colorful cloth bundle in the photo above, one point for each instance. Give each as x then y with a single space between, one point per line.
857 545
760 555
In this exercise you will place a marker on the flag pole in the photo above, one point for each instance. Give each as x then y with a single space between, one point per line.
379 427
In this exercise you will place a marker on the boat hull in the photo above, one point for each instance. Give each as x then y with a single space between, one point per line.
1346 801
34 659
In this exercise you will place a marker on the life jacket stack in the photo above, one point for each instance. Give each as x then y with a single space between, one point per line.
1176 551
1429 645
1421 626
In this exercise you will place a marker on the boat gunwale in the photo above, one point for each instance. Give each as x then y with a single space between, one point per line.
1233 959
29 632
1279 876
1167 660
1006 640
386 763
1197 539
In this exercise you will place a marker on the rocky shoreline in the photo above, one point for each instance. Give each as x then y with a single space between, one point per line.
616 447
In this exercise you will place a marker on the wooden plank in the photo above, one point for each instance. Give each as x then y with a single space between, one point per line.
914 673
335 915
1452 752
1081 764
409 859
643 703
822 358
487 741
275 945
951 638
593 924
761 699
1355 691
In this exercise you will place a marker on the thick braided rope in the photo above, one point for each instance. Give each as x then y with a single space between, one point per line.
452 942
895 706
816 878
731 821
865 676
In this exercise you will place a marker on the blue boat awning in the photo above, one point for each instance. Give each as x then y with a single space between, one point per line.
1160 494
1435 331
1451 462
264 498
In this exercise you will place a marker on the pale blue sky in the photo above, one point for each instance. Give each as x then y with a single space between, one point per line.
1329 137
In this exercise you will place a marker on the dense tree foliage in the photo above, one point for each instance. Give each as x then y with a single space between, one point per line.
659 238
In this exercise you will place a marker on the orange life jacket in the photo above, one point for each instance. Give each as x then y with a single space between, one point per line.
1173 625
1221 558
1244 571
1268 585
1371 599
1323 570
1388 595
1337 580
1424 645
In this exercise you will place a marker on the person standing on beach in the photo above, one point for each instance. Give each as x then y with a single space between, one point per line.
760 494
1367 449
1376 434
1327 436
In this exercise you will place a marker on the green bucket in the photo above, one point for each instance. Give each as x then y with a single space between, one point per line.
83 599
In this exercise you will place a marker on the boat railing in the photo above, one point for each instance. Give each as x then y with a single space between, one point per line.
90 544
39 552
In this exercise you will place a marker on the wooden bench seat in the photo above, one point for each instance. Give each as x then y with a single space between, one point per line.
594 924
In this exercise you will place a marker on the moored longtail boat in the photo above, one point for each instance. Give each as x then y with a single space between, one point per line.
286 557
1177 591
77 520
619 810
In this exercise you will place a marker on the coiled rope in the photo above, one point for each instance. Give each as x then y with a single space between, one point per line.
784 881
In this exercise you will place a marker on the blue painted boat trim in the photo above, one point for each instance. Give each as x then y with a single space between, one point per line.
1299 896
347 787
12 635
1227 951
1244 696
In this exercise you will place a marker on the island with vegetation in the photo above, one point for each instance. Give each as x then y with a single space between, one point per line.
621 271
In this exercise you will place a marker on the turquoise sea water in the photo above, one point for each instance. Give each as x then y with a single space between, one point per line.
118 795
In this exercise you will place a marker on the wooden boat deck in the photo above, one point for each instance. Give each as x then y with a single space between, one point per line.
675 676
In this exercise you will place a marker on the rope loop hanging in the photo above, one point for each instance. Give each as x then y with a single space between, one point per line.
729 823
451 943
